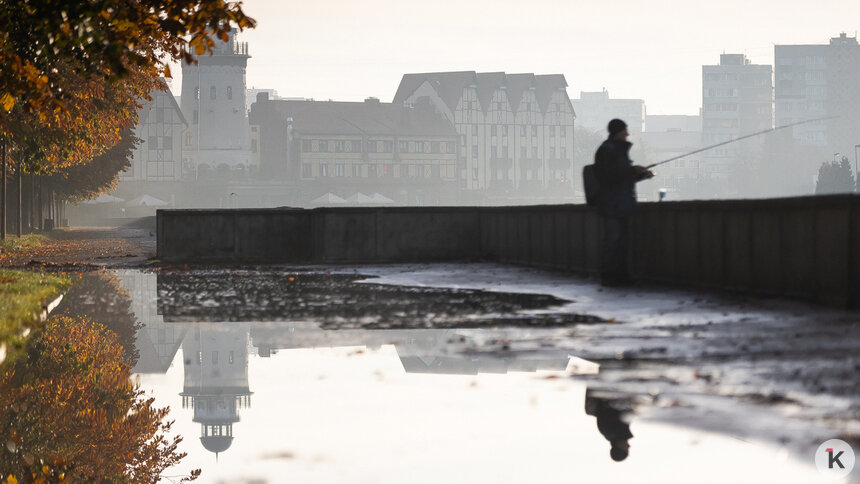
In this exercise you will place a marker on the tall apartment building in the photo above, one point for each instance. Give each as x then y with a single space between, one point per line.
594 110
737 99
670 136
815 81
515 130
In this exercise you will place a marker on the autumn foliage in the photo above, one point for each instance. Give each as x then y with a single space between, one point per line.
72 414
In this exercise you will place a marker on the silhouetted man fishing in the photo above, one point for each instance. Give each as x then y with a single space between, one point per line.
617 176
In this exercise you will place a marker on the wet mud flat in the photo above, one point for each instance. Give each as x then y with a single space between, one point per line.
343 301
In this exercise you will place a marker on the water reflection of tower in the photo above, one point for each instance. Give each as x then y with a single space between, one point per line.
216 380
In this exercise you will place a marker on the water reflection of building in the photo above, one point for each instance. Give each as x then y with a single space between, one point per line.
215 353
216 380
156 341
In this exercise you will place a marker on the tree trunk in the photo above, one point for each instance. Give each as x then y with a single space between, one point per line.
33 219
41 207
20 198
3 190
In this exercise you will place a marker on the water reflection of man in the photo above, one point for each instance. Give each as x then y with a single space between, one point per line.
610 423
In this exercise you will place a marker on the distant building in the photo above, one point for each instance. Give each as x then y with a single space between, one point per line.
158 156
515 130
213 102
737 99
407 154
814 81
216 380
251 96
594 110
667 137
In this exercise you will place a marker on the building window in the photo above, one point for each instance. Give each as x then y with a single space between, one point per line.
195 117
504 128
371 146
306 170
402 147
388 146
475 129
323 170
386 170
197 93
338 146
253 146
523 153
356 171
419 147
356 146
462 140
475 173
534 130
338 169
211 92
493 130
522 130
474 151
434 147
230 93
323 146
306 145
188 139
450 147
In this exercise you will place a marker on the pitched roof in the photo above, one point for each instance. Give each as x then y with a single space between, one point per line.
488 83
357 118
546 85
449 85
517 85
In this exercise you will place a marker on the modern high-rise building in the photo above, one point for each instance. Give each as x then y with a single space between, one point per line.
671 136
515 130
737 99
594 110
817 81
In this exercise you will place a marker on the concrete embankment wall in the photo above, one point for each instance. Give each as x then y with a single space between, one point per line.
805 247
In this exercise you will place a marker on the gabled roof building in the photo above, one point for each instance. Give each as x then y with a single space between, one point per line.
515 131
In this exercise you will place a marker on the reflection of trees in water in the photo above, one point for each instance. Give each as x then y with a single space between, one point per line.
70 408
99 297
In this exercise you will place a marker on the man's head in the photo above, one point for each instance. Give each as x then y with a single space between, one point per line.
617 130
620 450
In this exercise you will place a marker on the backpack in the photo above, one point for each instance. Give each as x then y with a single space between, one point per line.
591 185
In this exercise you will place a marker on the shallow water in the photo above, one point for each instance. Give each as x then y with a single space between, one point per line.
277 386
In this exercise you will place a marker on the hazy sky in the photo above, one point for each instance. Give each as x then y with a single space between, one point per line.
347 50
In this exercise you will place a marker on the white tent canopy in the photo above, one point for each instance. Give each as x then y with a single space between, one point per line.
380 198
327 199
104 198
360 199
146 201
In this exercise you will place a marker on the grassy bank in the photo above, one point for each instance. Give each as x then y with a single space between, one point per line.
22 295
13 243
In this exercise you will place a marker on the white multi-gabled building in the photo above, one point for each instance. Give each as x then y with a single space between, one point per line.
515 130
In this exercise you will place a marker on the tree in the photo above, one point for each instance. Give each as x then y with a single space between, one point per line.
72 73
835 177
106 39
71 412
99 296
83 182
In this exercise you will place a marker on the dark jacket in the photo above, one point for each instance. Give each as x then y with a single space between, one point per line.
617 177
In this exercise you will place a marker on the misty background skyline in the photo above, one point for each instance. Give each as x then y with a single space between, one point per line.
347 51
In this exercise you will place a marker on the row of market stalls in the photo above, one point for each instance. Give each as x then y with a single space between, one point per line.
355 199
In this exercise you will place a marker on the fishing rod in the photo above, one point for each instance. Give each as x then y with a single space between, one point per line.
738 139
